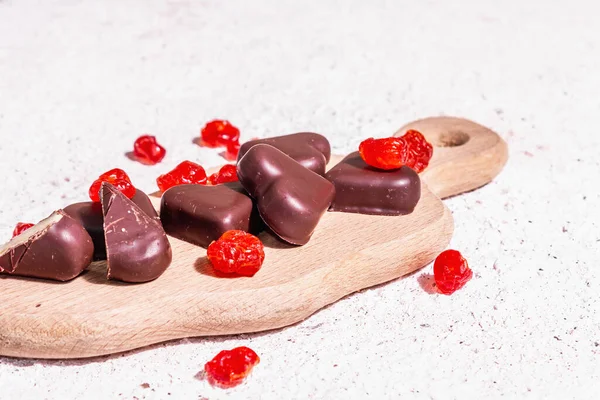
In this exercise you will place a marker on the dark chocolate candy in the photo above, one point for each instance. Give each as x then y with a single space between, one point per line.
309 149
136 244
200 214
89 214
143 201
291 199
362 189
57 248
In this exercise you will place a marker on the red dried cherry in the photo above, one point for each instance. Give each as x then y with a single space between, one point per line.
21 227
233 148
230 367
118 178
186 172
227 173
411 150
419 148
236 252
147 150
451 271
382 153
219 133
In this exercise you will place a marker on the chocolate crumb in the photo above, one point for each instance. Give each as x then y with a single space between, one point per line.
145 385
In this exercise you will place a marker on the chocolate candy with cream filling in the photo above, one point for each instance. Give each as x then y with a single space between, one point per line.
56 248
89 214
199 214
310 149
291 199
360 188
137 247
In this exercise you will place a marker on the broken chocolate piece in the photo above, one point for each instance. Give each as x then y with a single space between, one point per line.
137 247
89 214
291 199
57 248
310 149
360 188
200 214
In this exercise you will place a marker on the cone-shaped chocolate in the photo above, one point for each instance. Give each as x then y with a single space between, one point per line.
89 214
57 248
137 247
362 189
310 149
200 214
290 198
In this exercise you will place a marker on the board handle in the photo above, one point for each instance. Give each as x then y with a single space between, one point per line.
466 155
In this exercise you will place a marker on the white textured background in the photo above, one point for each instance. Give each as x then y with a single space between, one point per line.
80 80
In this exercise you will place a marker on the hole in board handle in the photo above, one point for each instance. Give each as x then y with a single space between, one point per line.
452 139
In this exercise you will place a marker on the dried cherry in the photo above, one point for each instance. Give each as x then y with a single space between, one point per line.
451 271
233 148
118 178
227 173
236 252
186 172
147 150
411 149
21 227
230 367
419 148
219 133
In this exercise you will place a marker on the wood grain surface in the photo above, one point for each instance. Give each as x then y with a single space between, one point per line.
466 155
91 316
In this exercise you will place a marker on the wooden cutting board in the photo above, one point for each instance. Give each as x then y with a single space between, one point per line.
91 316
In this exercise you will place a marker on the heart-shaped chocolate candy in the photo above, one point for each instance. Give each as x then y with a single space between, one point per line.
291 199
309 149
